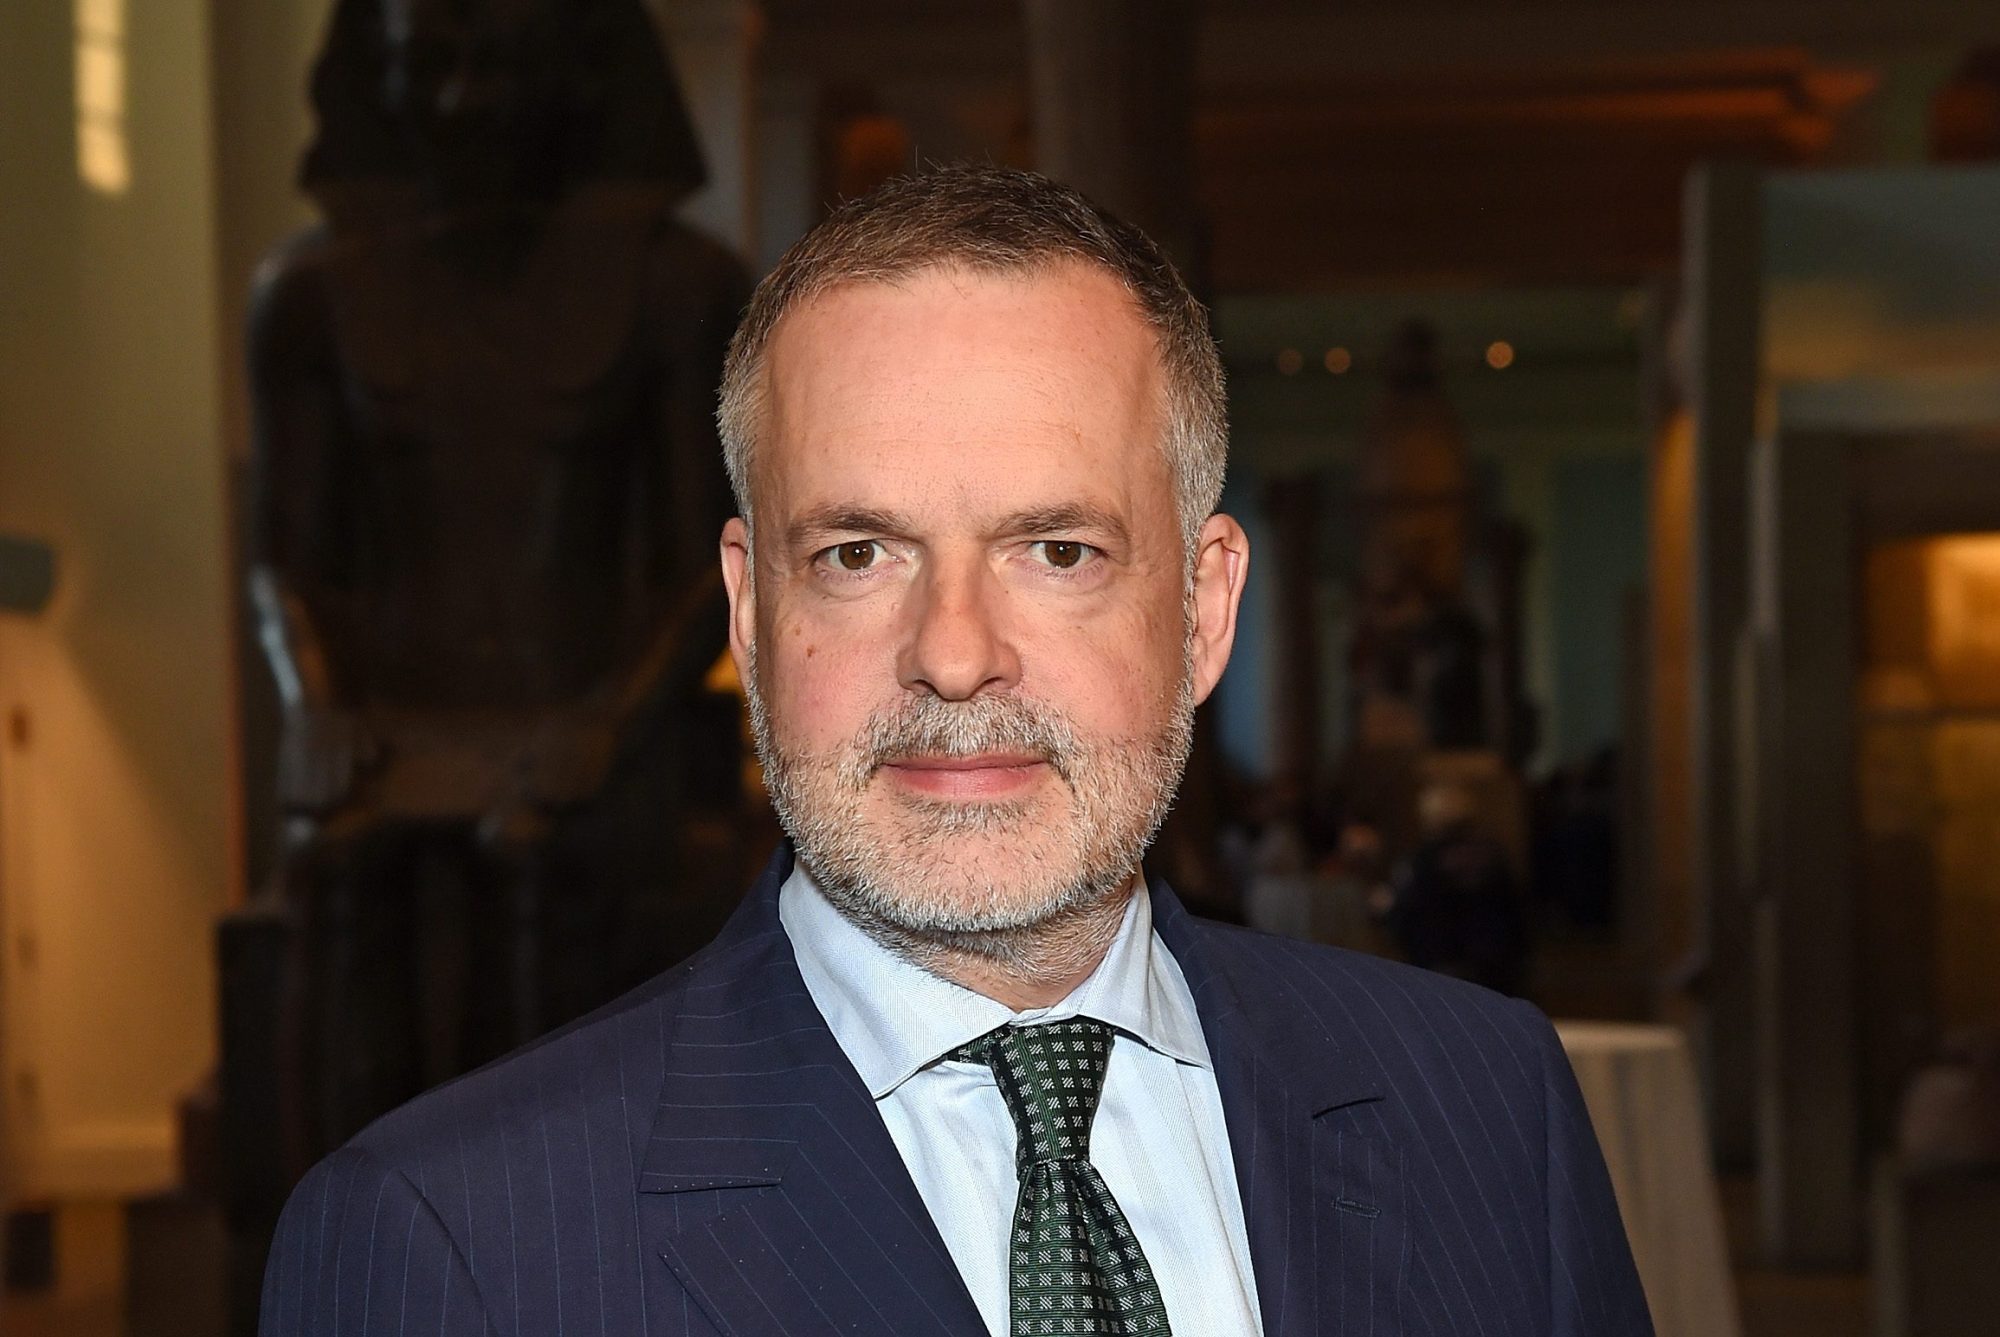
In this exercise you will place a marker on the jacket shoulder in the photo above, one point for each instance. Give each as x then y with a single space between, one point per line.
1406 1025
587 1074
521 1175
1247 950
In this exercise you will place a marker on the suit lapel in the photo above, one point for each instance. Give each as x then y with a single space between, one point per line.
1322 1199
772 1189
770 1184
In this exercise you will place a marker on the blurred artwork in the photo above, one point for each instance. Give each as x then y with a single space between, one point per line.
486 498
1434 661
1928 799
1930 750
1416 478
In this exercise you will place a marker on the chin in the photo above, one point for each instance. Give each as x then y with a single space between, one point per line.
935 859
963 868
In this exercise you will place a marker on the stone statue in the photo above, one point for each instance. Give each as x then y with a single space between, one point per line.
485 502
1417 650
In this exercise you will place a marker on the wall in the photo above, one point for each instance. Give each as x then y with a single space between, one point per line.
262 53
119 315
1597 557
112 785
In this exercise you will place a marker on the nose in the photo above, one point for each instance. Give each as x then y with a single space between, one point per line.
957 644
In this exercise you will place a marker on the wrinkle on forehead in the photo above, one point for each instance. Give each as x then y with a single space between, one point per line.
865 365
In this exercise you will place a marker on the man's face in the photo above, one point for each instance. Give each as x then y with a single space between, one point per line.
971 642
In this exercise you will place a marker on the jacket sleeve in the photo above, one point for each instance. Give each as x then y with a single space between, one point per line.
1594 1288
360 1253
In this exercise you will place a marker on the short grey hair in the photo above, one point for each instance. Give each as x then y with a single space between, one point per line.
991 220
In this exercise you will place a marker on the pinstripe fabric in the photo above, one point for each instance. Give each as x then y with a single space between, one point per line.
700 1159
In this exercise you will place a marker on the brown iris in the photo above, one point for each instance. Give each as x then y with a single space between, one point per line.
1063 555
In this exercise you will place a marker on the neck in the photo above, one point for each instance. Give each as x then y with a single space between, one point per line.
1033 966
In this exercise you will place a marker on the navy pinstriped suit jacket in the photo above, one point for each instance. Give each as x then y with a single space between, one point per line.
700 1159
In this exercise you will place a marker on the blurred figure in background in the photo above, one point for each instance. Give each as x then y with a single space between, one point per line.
1354 891
1951 1111
1267 858
1576 841
1456 906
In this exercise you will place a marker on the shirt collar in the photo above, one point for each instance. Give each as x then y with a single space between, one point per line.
893 1018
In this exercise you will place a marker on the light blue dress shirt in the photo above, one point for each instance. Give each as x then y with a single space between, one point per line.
1159 1139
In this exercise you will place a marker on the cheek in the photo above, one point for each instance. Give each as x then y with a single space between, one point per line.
822 688
1114 676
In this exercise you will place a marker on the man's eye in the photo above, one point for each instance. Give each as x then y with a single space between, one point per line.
856 556
1063 554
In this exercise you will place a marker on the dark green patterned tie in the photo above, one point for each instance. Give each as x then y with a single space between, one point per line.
1075 1266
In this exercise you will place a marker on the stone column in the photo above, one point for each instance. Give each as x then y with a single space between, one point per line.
1808 1161
1724 276
714 48
1112 89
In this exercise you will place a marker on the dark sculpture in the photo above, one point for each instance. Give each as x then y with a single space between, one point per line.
486 497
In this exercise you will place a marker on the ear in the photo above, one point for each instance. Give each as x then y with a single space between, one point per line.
737 579
1221 563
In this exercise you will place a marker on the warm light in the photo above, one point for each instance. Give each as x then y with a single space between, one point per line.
100 80
1499 355
101 19
103 160
869 149
721 676
1290 360
1964 580
1339 361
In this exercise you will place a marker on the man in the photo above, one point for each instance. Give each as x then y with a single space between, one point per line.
954 1067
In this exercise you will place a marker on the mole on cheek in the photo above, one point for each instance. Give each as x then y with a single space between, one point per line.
811 650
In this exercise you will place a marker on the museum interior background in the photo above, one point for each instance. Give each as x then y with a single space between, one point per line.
1616 418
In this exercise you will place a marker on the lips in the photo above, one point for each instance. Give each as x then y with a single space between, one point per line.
986 775
982 762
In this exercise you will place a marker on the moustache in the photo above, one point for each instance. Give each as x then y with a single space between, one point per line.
929 726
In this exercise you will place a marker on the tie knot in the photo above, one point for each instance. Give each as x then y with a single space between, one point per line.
1051 1077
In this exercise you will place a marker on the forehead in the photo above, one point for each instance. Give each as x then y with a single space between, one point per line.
1065 296
959 373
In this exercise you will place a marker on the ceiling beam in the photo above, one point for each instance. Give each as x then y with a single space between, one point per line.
1245 45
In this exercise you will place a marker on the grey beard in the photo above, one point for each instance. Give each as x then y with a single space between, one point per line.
907 886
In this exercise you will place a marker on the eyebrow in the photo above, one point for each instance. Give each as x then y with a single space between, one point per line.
819 522
1065 518
837 518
